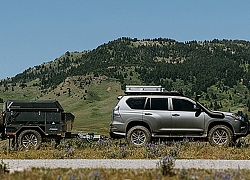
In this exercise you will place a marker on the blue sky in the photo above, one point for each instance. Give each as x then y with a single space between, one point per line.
36 31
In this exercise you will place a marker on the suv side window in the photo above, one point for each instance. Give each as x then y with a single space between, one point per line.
136 102
157 104
182 105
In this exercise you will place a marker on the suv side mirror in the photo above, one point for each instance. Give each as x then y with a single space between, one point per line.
197 97
119 97
197 107
197 110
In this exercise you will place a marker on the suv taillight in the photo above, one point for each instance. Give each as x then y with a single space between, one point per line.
116 112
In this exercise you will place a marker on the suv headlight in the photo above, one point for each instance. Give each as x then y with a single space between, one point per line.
238 117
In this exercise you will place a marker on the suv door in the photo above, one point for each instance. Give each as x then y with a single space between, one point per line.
185 118
157 114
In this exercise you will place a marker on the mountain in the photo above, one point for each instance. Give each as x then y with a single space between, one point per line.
218 69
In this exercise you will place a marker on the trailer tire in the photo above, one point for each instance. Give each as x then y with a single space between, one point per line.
29 139
1 121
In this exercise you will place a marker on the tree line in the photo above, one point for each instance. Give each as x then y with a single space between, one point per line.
157 61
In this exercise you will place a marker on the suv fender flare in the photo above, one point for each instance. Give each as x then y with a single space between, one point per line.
215 123
137 123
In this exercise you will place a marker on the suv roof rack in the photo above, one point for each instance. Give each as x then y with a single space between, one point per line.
149 90
144 89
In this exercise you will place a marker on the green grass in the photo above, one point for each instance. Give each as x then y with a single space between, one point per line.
125 174
119 149
109 149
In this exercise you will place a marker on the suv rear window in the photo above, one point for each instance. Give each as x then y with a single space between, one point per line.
136 102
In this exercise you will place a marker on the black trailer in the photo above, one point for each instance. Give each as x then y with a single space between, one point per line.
29 123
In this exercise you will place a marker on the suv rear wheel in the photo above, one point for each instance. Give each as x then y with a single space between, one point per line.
138 136
220 135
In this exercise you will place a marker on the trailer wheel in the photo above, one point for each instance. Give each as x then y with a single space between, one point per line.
29 139
138 136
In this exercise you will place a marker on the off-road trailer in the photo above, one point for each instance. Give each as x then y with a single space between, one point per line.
29 123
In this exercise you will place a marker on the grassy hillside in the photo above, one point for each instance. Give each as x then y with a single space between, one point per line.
92 106
87 83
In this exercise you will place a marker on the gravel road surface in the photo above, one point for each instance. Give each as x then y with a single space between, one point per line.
19 165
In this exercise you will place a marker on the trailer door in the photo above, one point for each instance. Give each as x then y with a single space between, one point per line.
53 123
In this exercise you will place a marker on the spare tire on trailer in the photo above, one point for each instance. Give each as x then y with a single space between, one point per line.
1 121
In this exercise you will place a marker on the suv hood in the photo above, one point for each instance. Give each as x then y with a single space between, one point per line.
219 114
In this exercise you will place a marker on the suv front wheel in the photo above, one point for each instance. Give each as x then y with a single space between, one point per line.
220 135
138 136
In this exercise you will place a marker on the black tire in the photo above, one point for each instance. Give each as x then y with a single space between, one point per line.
1 121
220 135
138 136
29 139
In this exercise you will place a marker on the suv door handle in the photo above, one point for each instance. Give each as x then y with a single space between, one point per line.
147 114
175 114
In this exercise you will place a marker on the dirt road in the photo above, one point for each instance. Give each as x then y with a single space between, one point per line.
18 165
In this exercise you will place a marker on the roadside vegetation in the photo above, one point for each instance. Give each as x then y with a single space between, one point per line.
125 174
165 151
119 149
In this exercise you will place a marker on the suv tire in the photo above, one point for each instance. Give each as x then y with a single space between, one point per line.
138 136
220 135
29 138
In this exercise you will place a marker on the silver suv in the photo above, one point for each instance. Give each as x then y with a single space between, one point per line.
147 112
